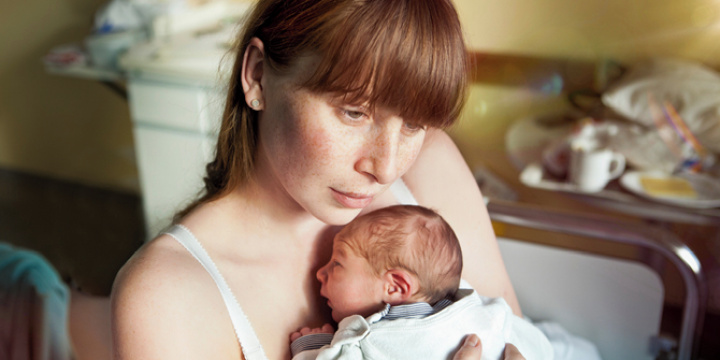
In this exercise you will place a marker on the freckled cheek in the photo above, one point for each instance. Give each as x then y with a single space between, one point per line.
312 144
317 151
327 146
407 153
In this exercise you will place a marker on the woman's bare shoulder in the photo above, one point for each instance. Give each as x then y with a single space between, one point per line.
165 305
155 265
441 176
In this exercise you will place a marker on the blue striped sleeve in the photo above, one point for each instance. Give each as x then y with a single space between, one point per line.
310 342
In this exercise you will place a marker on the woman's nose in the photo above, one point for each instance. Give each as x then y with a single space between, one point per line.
381 159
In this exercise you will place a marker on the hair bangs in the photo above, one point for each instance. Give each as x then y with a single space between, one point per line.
405 55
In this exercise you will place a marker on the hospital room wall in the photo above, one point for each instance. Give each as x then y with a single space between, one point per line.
79 130
56 126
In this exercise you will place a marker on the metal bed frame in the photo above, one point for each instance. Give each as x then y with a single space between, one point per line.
639 235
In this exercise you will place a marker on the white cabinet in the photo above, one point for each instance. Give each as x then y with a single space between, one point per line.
175 127
176 101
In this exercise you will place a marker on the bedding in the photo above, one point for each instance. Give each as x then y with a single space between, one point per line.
691 88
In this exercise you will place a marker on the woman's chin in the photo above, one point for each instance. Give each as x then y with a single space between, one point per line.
337 216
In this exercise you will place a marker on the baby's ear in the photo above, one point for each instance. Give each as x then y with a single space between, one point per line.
400 286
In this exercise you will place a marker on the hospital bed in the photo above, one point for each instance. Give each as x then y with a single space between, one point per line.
615 302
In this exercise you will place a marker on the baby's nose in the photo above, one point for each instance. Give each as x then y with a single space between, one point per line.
321 274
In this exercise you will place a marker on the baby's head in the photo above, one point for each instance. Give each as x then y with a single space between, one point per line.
395 255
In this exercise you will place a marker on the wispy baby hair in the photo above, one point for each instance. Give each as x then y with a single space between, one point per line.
413 238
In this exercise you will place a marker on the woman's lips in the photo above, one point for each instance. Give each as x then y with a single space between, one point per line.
350 200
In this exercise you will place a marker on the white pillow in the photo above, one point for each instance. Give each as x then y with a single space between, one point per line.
692 89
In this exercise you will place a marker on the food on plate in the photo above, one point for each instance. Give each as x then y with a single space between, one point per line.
668 187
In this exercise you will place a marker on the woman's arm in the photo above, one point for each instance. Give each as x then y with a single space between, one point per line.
440 179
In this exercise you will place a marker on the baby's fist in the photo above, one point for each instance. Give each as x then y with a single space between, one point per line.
325 329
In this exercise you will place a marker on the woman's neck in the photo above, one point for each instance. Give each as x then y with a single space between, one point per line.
275 208
248 223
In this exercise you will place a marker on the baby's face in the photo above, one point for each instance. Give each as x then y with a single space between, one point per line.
350 285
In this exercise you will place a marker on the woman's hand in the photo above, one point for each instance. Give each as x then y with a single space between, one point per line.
325 329
471 349
512 353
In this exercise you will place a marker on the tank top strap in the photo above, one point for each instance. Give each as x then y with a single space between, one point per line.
250 344
402 193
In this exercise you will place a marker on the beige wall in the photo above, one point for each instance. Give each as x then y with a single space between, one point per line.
79 130
591 29
52 125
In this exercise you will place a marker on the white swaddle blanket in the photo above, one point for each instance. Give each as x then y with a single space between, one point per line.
437 336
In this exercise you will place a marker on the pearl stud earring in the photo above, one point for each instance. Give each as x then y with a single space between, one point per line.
255 103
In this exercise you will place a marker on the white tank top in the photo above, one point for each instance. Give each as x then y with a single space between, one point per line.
249 342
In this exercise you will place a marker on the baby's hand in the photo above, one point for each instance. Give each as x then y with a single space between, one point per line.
325 329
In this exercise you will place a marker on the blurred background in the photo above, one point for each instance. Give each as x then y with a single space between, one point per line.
77 130
70 167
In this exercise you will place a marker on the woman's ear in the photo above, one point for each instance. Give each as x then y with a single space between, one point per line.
252 74
400 286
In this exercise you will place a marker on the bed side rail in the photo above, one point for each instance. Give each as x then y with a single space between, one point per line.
667 244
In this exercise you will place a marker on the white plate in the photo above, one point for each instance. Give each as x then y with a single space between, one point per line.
534 176
707 188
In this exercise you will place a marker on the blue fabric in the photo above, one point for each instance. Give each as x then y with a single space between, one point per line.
33 307
20 266
414 310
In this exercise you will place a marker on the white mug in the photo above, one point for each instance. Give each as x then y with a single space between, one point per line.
593 166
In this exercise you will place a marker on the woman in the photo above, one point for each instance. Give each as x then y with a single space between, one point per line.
330 103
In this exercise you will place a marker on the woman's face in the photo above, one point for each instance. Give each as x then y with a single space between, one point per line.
331 157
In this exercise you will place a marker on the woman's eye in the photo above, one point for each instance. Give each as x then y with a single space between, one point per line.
354 115
414 127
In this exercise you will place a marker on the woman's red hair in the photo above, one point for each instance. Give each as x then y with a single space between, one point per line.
406 55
